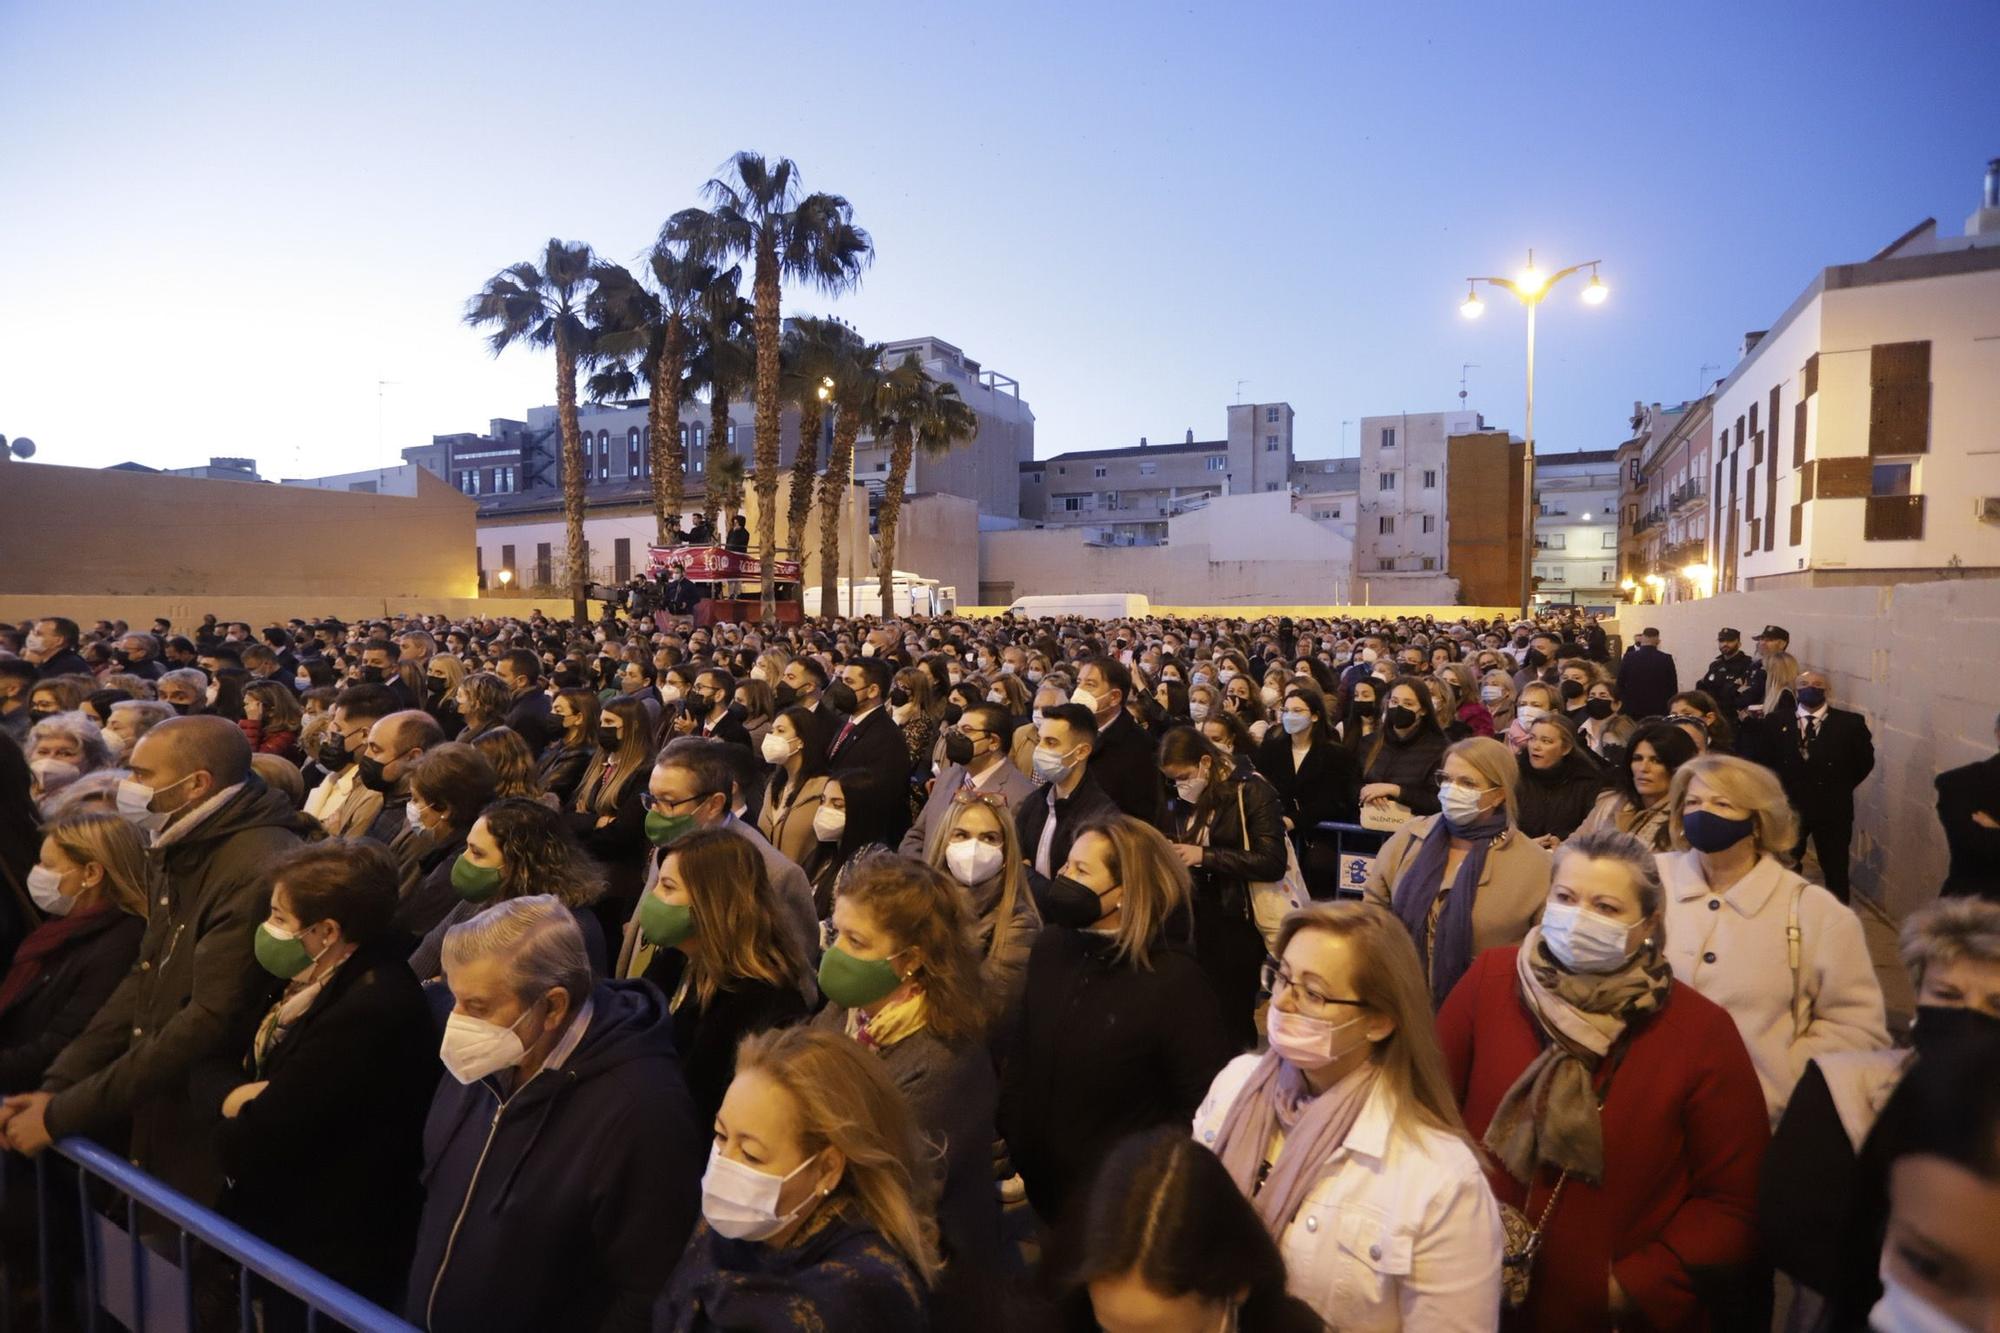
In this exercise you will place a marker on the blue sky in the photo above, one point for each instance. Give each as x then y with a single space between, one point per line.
226 224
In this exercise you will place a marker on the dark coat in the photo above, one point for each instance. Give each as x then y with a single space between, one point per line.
1647 679
72 985
323 1163
1684 1137
1227 943
1975 850
1125 763
839 1275
1104 1050
1555 803
20 844
1411 765
196 993
679 596
706 1039
432 895
1728 683
728 727
1821 785
563 1204
876 745
68 662
620 847
531 719
1326 788
1087 803
561 768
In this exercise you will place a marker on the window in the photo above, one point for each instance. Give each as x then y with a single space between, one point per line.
1385 481
1271 414
1899 401
1385 563
1388 437
472 482
1270 444
1217 462
1430 479
621 559
1271 485
1604 573
1430 523
1035 478
1148 469
1891 478
507 557
1609 541
684 434
1386 525
1430 562
545 573
1111 499
1097 471
1556 541
1072 503
732 435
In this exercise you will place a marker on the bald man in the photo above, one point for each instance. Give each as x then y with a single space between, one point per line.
197 991
394 745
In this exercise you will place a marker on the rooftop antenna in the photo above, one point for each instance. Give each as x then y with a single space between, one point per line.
1702 387
1343 433
1239 390
1462 377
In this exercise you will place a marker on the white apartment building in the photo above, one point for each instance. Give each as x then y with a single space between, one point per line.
1576 528
1400 524
986 469
1854 442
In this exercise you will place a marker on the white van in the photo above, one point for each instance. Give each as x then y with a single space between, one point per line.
1096 605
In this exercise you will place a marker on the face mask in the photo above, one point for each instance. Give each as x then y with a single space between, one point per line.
1304 1040
1936 1025
1190 789
1227 674
1530 714
856 983
898 697
474 883
1491 694
1270 696
995 697
671 693
1572 689
135 801
1295 724
370 772
1583 941
1460 805
36 643
55 773
829 823
1598 709
784 696
665 925
663 830
972 861
1198 710
45 887
1369 655
1400 717
777 749
1811 697
1070 902
281 953
1903 1311
840 698
332 753
413 816
741 1202
1052 766
1535 660
1084 698
608 739
1708 832
474 1048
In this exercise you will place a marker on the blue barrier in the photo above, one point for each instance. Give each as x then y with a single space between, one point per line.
131 1284
1353 862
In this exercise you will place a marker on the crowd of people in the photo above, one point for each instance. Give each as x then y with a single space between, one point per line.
950 973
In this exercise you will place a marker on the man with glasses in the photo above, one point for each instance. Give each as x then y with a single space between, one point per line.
976 754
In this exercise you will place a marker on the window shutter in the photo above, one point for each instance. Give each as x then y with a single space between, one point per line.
1812 375
1806 471
1798 524
1773 428
1844 478
1899 402
1799 435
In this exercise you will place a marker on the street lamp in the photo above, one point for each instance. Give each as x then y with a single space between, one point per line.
506 576
1529 288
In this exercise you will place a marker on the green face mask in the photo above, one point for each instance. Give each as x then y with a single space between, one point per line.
665 925
664 830
281 956
473 883
856 983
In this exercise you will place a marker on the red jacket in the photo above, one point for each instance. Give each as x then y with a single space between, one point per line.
284 743
1684 1138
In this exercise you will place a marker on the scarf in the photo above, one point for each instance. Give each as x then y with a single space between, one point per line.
1550 1117
41 942
1275 1098
889 1024
1446 947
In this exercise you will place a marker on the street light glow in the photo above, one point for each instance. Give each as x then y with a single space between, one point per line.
1473 307
1595 293
506 577
1530 281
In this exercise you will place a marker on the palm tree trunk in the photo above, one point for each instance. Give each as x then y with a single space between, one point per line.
833 492
572 476
764 329
902 448
663 422
798 509
718 443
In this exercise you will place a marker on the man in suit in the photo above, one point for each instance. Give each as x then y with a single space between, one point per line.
1124 760
1070 797
1823 753
678 595
1968 805
1647 678
977 751
708 703
521 672
870 738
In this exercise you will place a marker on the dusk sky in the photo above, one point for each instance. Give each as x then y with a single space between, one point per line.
226 224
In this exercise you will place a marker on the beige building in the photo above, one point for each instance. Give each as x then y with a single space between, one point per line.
986 470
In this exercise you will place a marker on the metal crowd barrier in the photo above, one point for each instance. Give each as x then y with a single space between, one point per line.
1354 849
131 1284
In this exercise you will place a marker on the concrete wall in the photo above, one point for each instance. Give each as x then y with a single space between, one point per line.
75 533
937 537
1915 659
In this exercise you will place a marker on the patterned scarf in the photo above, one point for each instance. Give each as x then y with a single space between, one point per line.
1446 945
1550 1116
889 1024
1276 1097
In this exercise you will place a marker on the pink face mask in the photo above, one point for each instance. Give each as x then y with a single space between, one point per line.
1305 1041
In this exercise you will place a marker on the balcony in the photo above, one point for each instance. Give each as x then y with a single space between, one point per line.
1894 518
1684 495
1649 520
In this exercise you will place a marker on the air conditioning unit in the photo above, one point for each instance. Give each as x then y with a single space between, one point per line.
1987 508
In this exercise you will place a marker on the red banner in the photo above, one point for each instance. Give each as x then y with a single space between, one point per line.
715 564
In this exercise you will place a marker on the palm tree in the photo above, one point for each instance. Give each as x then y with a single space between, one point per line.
725 481
813 350
543 306
723 363
857 382
757 212
921 413
655 325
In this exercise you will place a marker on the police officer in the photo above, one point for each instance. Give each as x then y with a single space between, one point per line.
1774 639
1728 678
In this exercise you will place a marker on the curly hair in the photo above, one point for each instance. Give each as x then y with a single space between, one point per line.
486 698
923 910
513 762
539 854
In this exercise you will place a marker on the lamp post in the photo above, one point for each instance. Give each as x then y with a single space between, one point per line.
825 392
1529 288
506 576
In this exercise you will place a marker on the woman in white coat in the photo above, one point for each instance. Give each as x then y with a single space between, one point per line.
1346 1138
1786 958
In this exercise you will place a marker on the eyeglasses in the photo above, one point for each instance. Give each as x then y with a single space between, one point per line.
648 801
973 796
1277 977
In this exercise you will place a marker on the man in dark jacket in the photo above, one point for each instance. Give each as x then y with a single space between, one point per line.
1647 677
1124 760
528 717
709 702
1048 820
197 990
1822 754
1728 678
1968 805
679 595
394 746
560 1187
51 646
139 655
870 738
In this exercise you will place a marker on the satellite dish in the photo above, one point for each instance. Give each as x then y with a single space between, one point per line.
23 447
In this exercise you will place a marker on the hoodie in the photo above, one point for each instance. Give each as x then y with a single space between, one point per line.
565 1204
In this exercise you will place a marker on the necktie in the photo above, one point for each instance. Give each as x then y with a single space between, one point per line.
846 730
1810 735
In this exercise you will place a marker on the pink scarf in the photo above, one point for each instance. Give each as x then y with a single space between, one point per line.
1276 1097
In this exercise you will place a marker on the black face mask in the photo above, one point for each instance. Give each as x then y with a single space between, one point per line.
1938 1026
1069 903
899 696
784 696
369 675
957 748
1599 709
1572 689
952 713
371 774
608 739
1400 717
1535 660
39 713
840 698
332 753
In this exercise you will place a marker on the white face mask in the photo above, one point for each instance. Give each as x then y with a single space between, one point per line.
741 1202
995 697
1052 765
1295 723
54 773
1583 941
45 887
474 1048
1460 804
972 861
1530 714
1085 699
1306 1041
1198 710
1226 674
671 693
1491 694
1190 789
777 749
1903 1311
413 815
1270 696
829 823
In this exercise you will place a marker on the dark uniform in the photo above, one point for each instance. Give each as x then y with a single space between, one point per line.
1728 682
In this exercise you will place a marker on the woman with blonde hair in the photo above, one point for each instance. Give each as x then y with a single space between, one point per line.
443 674
1120 1030
483 701
1350 1114
92 882
513 765
1787 959
1496 691
810 1205
901 975
607 814
975 843
1466 879
1535 701
719 952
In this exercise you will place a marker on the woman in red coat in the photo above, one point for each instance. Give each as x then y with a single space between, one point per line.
1580 1062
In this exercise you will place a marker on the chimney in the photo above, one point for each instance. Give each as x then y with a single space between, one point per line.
1142 442
1190 435
1751 339
1992 195
1984 225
